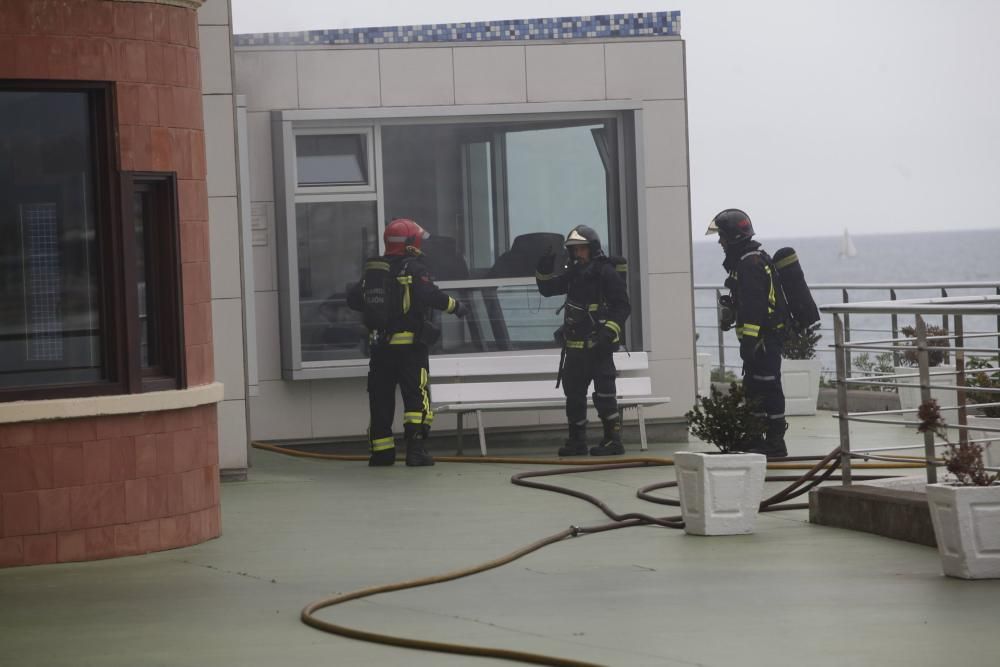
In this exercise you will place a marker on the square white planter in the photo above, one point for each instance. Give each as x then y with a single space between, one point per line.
991 449
720 493
967 528
909 390
704 370
800 382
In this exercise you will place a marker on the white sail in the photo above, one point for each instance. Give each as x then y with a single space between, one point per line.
847 248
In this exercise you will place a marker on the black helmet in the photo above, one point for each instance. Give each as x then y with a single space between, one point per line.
733 225
584 235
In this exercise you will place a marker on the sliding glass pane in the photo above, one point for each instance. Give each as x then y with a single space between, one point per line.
334 239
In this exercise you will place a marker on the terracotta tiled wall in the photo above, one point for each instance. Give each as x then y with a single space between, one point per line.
109 486
151 52
84 489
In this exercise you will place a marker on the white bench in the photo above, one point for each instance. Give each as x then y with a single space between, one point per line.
462 398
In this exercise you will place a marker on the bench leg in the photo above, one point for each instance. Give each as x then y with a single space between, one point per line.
642 429
458 432
482 431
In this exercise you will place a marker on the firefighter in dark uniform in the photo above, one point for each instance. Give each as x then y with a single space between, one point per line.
760 316
594 316
395 296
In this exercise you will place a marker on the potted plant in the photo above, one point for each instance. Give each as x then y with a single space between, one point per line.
876 369
909 388
720 493
801 371
963 510
981 374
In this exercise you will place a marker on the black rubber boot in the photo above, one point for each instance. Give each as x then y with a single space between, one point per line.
576 443
611 444
748 445
383 457
774 441
416 455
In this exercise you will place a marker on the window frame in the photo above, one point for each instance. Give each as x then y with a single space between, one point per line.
103 122
369 186
170 372
286 124
116 276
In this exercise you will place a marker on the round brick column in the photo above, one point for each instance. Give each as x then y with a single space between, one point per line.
103 486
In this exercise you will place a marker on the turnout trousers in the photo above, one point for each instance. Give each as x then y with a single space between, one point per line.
405 366
580 369
762 382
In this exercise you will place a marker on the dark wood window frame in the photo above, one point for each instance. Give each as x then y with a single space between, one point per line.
118 285
164 273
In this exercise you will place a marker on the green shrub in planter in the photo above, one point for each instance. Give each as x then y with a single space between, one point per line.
726 420
982 374
801 343
964 460
876 368
935 357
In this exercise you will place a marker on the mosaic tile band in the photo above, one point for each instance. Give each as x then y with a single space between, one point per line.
642 24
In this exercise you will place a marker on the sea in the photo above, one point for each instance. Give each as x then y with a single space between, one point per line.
929 258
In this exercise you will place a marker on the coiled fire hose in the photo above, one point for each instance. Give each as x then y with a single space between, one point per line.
819 471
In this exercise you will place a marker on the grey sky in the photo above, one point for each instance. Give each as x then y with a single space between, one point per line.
813 116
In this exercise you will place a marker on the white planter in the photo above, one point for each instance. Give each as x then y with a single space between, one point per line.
967 528
720 493
800 382
991 450
704 369
909 390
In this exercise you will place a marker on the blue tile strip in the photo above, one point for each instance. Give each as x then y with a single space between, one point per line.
643 24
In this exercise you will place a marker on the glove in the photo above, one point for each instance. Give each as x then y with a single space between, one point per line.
749 348
461 310
547 262
607 338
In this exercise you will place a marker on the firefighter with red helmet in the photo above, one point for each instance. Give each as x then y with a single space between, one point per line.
594 315
759 313
395 296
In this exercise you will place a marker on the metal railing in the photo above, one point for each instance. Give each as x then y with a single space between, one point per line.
956 310
723 345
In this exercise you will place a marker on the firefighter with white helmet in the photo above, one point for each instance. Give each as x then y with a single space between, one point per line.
594 315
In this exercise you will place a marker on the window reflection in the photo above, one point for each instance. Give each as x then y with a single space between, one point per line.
331 159
495 197
49 306
334 239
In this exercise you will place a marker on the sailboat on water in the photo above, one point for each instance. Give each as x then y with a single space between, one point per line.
847 248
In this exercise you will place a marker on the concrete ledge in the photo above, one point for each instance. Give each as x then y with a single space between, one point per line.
186 4
233 475
899 514
859 400
113 404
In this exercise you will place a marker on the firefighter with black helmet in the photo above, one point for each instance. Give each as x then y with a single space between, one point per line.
594 315
395 296
759 314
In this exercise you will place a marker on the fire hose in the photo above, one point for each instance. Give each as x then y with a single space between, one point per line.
821 470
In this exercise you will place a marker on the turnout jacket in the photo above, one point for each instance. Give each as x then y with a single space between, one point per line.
594 287
754 287
419 294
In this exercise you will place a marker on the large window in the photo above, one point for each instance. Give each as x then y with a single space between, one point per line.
69 323
494 195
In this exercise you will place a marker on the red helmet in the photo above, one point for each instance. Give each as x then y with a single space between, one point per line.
402 234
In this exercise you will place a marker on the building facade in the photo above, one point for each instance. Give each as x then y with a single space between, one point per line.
179 222
498 138
109 404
